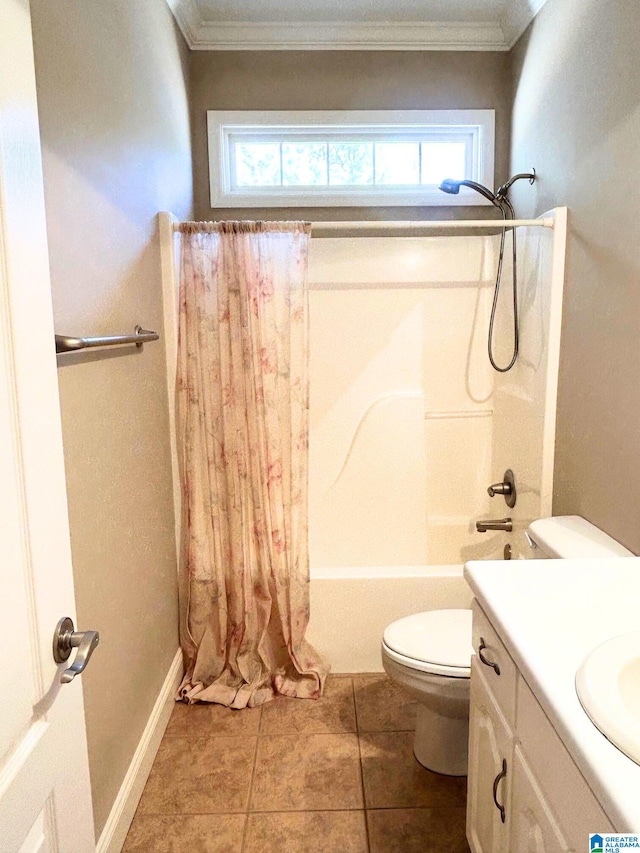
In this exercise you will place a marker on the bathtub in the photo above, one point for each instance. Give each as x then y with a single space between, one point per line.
351 607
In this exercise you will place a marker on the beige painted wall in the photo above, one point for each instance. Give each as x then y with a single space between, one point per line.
576 118
346 80
115 132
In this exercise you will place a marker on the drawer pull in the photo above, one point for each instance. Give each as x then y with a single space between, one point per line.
485 660
501 775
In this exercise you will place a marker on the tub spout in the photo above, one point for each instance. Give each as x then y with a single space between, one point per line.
494 524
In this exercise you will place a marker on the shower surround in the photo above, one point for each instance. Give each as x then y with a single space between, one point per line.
400 396
409 424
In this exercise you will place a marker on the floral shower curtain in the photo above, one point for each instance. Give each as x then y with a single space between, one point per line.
243 429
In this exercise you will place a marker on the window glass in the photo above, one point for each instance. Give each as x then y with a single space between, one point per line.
257 164
442 160
304 164
350 164
397 163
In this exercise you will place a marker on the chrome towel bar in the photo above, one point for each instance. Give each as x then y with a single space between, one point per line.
65 343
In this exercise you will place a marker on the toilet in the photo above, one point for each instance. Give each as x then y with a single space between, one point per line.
429 654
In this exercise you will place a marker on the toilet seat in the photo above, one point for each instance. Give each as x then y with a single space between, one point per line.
436 642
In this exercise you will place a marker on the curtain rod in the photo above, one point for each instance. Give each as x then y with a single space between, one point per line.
433 224
426 224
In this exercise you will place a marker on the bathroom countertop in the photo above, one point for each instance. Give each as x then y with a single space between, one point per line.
550 615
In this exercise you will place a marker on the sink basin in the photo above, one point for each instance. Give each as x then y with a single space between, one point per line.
608 686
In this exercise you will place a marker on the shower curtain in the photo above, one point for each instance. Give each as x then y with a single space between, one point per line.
242 401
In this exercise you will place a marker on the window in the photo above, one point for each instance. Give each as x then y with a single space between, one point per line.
329 159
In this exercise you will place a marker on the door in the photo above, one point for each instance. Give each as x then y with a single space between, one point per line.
533 826
490 746
45 800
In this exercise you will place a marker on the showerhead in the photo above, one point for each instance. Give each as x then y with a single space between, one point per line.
450 186
453 188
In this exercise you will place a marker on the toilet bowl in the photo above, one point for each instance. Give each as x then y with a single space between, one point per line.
429 654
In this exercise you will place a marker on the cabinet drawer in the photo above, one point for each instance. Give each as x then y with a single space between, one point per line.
489 649
575 807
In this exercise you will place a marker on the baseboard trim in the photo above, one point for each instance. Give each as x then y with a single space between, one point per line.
119 820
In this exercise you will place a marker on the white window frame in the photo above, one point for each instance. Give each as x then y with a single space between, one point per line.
225 126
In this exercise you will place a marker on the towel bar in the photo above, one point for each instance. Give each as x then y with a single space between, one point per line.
66 343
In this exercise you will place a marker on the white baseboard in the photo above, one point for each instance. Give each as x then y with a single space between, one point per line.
117 825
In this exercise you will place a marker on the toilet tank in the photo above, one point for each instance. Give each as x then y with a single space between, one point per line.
571 537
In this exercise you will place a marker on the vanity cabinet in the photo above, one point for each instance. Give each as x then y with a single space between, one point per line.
490 749
525 793
533 826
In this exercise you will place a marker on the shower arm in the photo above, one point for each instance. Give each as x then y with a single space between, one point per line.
504 189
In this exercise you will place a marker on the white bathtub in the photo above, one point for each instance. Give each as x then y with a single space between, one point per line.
351 607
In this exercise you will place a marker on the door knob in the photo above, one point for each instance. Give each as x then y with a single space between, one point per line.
65 639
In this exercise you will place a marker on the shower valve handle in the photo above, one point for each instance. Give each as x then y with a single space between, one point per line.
499 489
507 488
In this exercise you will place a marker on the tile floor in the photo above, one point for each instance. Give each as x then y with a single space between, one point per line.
335 775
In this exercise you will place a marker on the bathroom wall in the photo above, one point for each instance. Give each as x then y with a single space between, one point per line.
576 118
401 400
346 80
112 90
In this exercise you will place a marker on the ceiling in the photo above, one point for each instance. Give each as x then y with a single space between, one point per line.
353 24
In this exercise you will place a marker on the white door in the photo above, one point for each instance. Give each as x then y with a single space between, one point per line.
45 799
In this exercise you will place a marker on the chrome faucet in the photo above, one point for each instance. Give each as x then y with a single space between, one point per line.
494 524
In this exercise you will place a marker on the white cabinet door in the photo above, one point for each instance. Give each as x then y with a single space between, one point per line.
533 826
490 748
45 800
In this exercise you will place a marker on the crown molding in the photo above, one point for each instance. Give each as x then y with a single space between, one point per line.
519 15
338 35
187 15
209 35
351 35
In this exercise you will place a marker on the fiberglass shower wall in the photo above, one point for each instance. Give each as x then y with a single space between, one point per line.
401 399
524 399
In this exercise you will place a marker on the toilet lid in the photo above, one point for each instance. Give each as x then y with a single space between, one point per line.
441 637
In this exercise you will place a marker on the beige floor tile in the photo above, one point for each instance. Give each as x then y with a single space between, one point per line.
302 773
383 706
180 833
417 830
209 720
335 712
199 776
306 832
394 779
